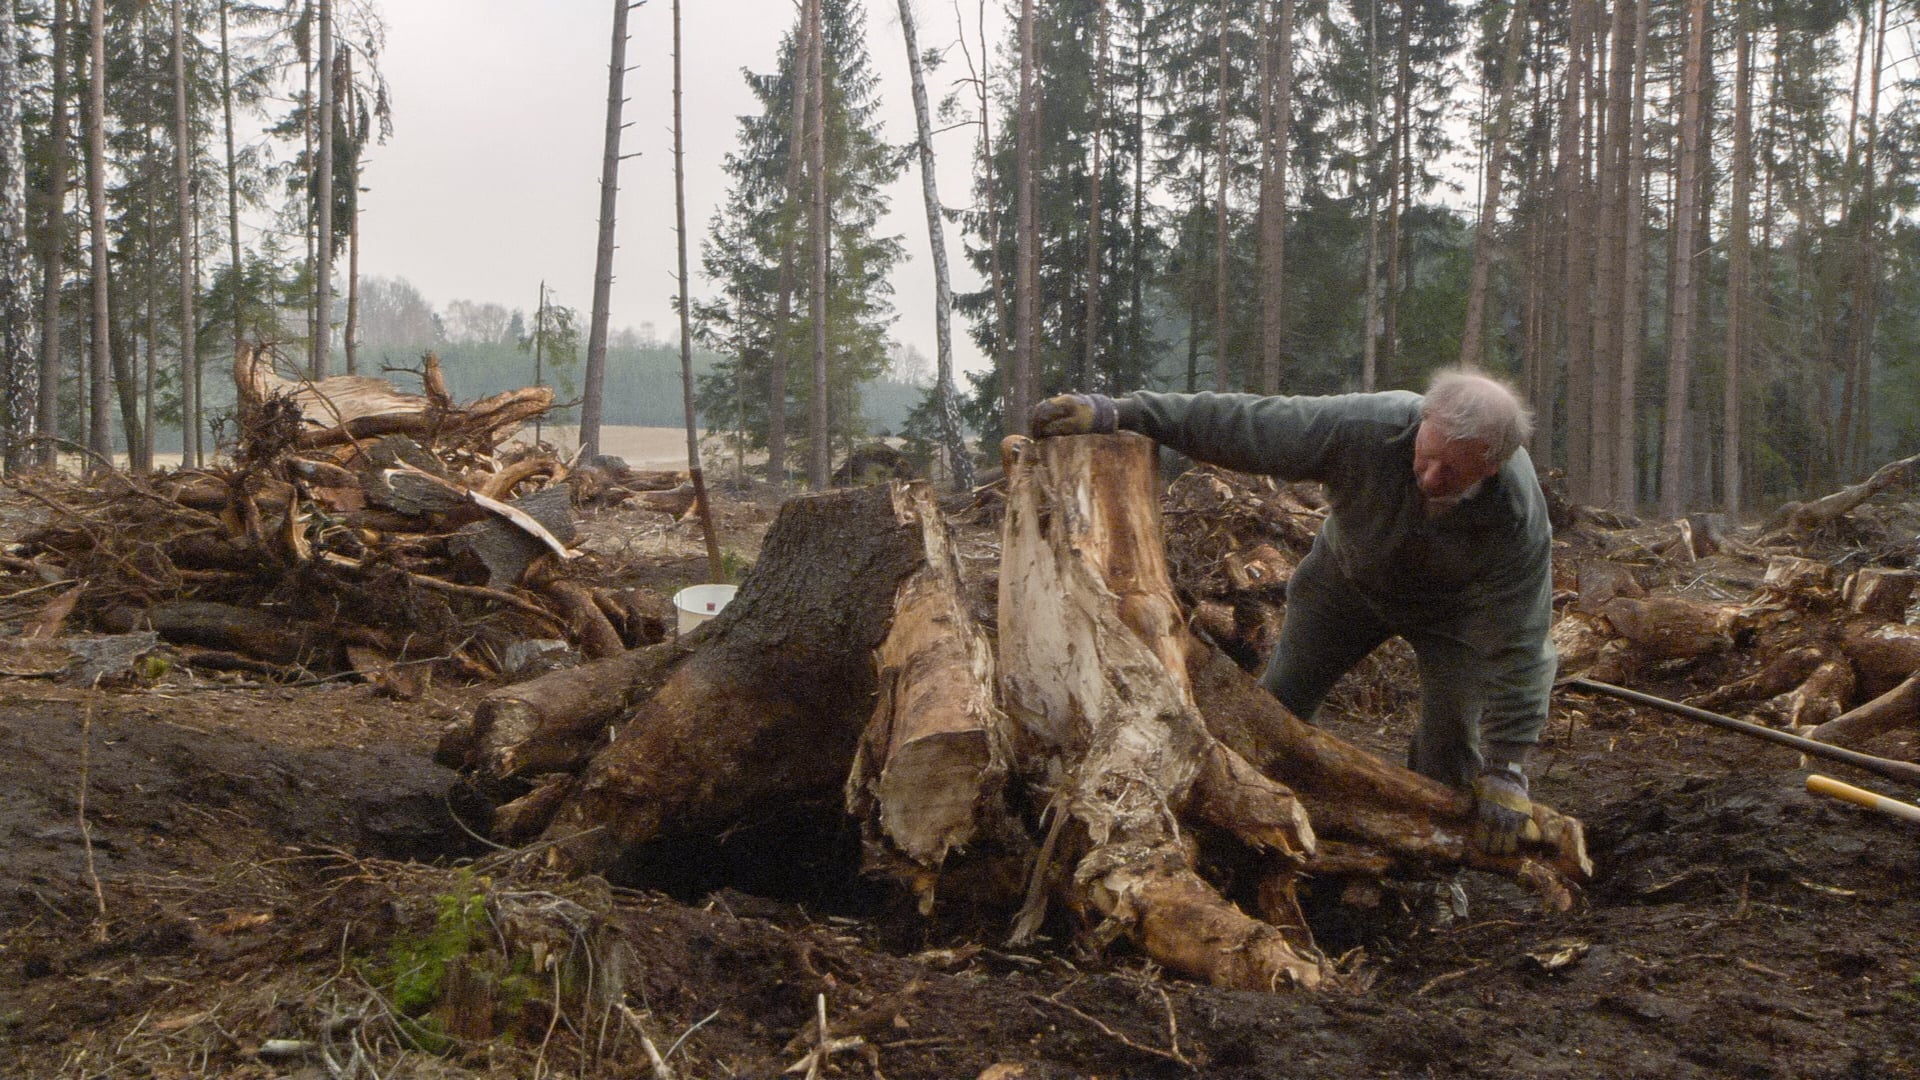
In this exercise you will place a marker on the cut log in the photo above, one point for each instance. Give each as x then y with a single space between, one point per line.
1898 707
1777 676
1883 653
273 638
1820 698
931 765
1881 592
514 728
506 547
1792 578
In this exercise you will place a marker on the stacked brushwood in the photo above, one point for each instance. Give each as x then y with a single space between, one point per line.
358 529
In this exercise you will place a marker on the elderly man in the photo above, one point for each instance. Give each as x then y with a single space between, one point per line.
1438 533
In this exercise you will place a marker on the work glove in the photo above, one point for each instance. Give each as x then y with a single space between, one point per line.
1074 414
1503 815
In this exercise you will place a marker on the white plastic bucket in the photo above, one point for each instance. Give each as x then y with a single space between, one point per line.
698 603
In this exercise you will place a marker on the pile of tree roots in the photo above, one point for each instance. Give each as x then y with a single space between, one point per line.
359 530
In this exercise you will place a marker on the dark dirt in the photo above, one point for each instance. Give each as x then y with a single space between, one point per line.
191 871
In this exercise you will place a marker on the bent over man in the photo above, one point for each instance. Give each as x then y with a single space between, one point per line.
1437 533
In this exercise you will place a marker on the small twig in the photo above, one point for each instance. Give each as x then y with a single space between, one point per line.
683 1035
820 1046
660 1069
1173 1055
86 831
1450 976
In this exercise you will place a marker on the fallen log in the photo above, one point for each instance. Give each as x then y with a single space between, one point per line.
1898 707
1801 518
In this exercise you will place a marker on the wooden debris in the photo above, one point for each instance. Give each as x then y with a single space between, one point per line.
361 529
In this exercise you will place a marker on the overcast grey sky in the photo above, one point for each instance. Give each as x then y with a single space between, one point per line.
490 182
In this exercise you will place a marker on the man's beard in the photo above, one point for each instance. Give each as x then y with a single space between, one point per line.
1438 506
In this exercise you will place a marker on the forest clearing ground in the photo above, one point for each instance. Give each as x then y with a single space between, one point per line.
201 867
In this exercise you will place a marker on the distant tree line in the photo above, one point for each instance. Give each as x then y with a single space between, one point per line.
176 178
1683 228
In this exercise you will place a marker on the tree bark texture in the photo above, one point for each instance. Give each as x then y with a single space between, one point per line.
594 378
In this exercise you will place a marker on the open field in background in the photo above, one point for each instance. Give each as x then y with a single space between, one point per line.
641 447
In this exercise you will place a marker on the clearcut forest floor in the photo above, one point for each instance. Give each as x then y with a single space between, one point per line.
207 878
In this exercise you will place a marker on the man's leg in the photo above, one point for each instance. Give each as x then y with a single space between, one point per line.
1446 745
1328 629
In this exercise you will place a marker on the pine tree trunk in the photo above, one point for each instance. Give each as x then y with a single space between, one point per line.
1739 260
53 243
1612 99
323 243
1633 313
1222 124
1088 360
1020 382
959 462
695 473
1577 335
236 264
100 378
800 73
1472 336
183 199
1276 126
19 374
594 379
1674 475
1370 333
819 225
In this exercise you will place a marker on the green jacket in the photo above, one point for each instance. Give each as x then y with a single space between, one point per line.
1491 554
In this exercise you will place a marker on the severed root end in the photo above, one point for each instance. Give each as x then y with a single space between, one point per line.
1182 923
1263 813
1568 840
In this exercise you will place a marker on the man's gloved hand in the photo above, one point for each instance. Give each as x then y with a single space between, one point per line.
1073 414
1504 814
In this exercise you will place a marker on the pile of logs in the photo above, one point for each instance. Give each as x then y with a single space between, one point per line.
1814 651
359 529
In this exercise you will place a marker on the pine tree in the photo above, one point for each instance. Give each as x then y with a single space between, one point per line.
748 237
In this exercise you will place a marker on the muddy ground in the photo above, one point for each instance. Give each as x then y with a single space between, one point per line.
213 877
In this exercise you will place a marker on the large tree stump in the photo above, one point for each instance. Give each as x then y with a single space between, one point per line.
1091 757
1093 673
764 717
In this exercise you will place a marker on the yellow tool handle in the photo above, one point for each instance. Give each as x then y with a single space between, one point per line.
1827 785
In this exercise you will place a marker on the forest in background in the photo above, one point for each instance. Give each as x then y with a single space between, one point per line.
1683 227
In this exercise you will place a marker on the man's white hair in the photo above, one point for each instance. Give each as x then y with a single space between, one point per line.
1468 404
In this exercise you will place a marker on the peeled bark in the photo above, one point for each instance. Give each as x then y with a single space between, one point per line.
1093 674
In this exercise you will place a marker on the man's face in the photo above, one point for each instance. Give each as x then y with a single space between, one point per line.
1448 470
